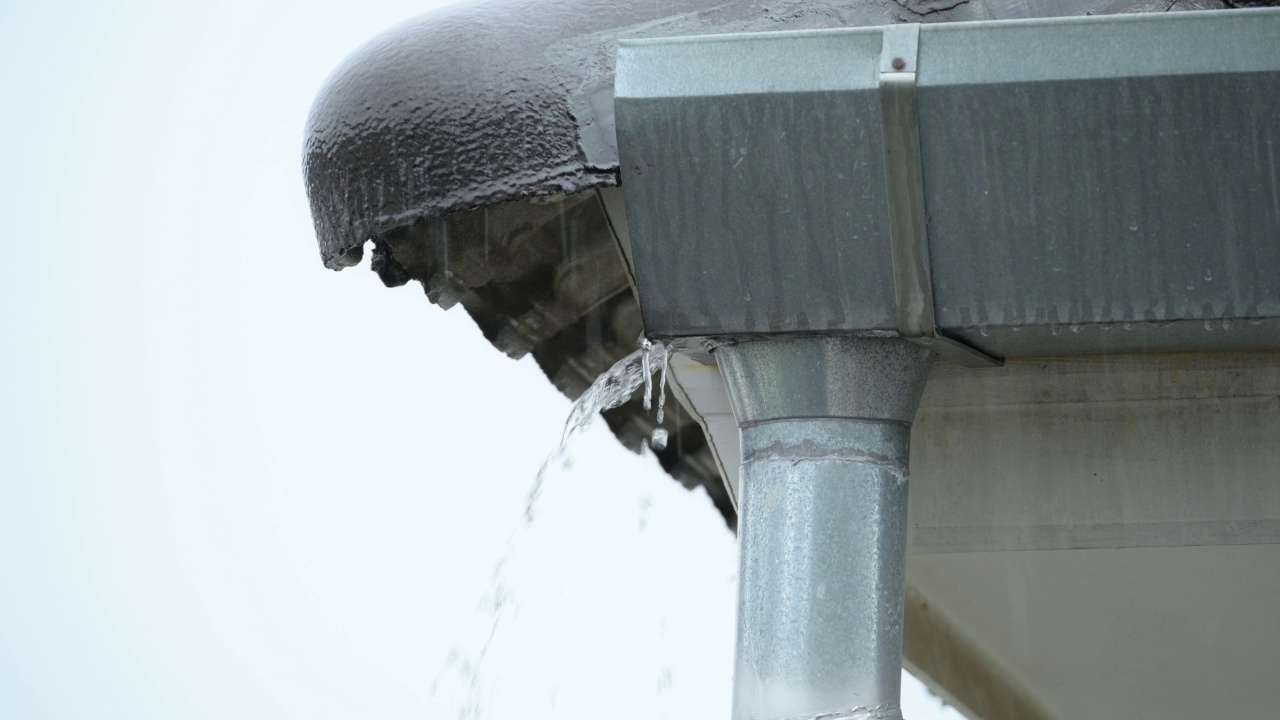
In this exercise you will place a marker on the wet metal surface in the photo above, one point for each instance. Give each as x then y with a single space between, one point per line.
1125 170
823 556
770 181
822 522
823 377
1122 173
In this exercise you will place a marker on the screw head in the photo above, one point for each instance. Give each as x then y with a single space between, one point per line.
899 63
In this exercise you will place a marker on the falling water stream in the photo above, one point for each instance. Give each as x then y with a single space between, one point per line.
612 389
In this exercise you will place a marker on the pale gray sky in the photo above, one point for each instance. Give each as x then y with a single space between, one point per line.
236 485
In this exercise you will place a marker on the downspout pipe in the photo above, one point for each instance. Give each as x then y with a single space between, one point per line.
825 425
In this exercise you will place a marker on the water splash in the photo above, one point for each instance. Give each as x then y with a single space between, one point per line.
610 390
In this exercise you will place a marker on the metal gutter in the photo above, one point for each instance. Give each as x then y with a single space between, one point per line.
1088 185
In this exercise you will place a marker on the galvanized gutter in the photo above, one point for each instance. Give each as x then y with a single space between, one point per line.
1085 185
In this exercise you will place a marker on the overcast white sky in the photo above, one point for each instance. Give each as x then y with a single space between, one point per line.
234 484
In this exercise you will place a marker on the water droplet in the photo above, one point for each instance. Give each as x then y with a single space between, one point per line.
1076 327
1208 274
1127 325
1055 329
1255 321
659 439
1208 325
983 331
1016 328
747 295
646 502
1226 323
1133 224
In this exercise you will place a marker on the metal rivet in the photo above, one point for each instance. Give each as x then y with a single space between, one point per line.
899 63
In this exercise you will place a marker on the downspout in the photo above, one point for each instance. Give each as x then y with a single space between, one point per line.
826 427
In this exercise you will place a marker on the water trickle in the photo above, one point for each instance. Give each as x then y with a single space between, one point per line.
659 438
662 383
645 348
610 390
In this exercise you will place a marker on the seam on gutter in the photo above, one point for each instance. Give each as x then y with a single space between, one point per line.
904 191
